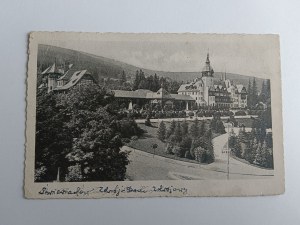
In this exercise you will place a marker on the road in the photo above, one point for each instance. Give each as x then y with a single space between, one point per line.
145 166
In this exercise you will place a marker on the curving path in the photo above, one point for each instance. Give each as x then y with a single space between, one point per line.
145 166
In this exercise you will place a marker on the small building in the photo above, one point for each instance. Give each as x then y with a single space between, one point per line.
55 79
161 97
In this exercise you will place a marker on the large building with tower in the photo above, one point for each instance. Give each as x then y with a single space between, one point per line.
209 91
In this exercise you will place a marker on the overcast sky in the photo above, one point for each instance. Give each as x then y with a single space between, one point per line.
252 55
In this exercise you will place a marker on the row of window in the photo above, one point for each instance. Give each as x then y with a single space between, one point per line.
192 93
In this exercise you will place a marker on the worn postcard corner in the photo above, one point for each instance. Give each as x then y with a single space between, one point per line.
153 115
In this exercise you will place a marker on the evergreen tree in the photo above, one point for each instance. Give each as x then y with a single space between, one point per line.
123 78
202 129
263 93
171 129
268 88
156 84
161 133
238 149
185 128
269 157
177 132
249 100
259 156
194 130
185 145
250 151
254 93
136 81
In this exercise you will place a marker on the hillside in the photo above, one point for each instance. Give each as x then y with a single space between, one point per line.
102 67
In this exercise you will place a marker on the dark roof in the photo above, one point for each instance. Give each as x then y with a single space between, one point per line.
131 94
74 79
182 97
69 73
51 69
146 94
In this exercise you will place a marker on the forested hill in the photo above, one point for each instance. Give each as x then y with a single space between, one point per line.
102 67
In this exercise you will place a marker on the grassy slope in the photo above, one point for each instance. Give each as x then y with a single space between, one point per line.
145 142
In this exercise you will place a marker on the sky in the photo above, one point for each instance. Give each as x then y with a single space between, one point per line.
253 55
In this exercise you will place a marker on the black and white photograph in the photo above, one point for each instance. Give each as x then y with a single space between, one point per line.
153 107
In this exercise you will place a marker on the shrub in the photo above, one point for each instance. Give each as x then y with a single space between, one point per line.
161 133
169 148
125 140
199 153
240 113
147 122
182 114
178 151
74 173
191 114
200 114
169 114
128 128
188 155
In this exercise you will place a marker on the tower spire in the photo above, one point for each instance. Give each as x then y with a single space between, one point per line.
207 58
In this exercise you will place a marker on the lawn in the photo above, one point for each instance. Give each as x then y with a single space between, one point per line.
146 141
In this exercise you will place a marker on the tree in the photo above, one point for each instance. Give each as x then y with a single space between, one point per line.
254 93
185 128
194 130
136 81
263 156
202 129
161 133
217 125
263 93
123 78
237 149
53 138
79 133
171 129
185 145
250 151
177 132
249 100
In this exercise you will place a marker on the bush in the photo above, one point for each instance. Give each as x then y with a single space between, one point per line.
240 113
191 114
147 122
169 148
200 114
200 154
182 114
128 128
74 173
188 155
178 151
125 140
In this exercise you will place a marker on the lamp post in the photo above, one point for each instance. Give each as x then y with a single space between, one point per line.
229 124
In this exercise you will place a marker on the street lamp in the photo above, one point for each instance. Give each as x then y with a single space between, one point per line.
229 124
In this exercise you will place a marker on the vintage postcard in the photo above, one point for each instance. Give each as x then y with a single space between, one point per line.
153 115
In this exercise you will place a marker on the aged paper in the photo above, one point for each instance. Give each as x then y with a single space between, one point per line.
153 115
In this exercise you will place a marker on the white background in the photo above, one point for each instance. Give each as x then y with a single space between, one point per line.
17 18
